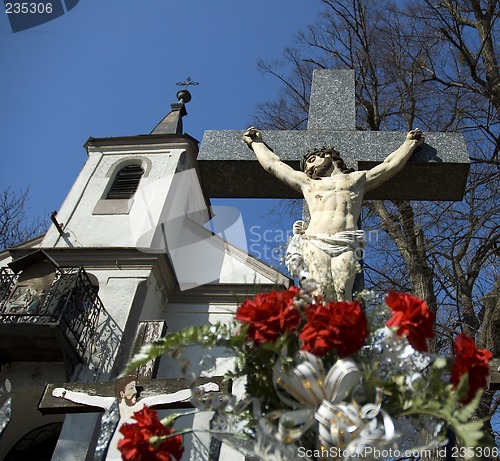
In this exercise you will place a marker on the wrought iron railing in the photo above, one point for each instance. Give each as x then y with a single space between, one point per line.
71 304
7 283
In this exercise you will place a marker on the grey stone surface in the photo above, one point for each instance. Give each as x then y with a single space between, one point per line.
332 105
437 170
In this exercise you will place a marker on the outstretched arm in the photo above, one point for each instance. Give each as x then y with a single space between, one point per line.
179 396
84 399
394 162
271 162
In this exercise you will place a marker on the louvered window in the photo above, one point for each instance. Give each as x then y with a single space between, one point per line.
126 182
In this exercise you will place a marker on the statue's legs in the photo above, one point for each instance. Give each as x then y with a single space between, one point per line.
344 268
319 267
334 276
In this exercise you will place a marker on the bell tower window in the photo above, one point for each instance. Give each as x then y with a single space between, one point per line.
126 182
119 198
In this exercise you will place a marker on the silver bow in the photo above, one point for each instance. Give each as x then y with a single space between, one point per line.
319 400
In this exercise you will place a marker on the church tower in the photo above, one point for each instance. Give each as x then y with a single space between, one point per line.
134 251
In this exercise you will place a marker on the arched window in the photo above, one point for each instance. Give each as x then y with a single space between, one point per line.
126 182
38 444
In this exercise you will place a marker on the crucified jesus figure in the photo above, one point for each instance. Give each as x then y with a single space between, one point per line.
126 393
329 248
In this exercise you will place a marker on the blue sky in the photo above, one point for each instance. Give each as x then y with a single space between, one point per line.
109 68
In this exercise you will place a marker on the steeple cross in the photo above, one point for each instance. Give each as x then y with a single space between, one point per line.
187 83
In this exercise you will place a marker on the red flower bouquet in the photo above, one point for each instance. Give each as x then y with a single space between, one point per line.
304 387
136 444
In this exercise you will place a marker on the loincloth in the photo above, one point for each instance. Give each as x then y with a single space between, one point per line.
332 244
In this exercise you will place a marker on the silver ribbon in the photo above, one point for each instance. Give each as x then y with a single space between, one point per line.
308 384
321 398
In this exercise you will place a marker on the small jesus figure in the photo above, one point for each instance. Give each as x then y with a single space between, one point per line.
126 393
328 249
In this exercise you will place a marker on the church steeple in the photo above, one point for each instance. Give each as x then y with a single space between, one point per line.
172 123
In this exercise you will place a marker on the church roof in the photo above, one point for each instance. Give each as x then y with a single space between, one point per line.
172 122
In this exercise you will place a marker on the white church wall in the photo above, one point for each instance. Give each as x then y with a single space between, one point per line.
117 288
85 227
177 226
117 293
71 201
180 316
5 259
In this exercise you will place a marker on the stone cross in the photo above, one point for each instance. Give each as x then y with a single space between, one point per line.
495 374
437 171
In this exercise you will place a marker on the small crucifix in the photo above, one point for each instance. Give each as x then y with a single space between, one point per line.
125 396
91 397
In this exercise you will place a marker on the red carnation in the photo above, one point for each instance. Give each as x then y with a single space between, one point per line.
341 325
269 315
135 445
471 361
412 318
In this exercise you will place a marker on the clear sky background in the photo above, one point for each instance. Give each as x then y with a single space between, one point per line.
110 67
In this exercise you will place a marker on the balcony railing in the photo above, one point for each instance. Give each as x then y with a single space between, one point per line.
53 326
7 283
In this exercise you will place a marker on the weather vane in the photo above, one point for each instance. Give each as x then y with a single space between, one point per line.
187 83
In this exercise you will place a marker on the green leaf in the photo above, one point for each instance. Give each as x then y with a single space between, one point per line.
170 419
456 416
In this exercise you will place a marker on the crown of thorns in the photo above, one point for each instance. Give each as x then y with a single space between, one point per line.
318 150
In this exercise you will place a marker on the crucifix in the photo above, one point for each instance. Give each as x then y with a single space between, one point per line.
120 399
325 248
438 171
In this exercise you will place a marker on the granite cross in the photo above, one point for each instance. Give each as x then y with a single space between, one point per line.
437 171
